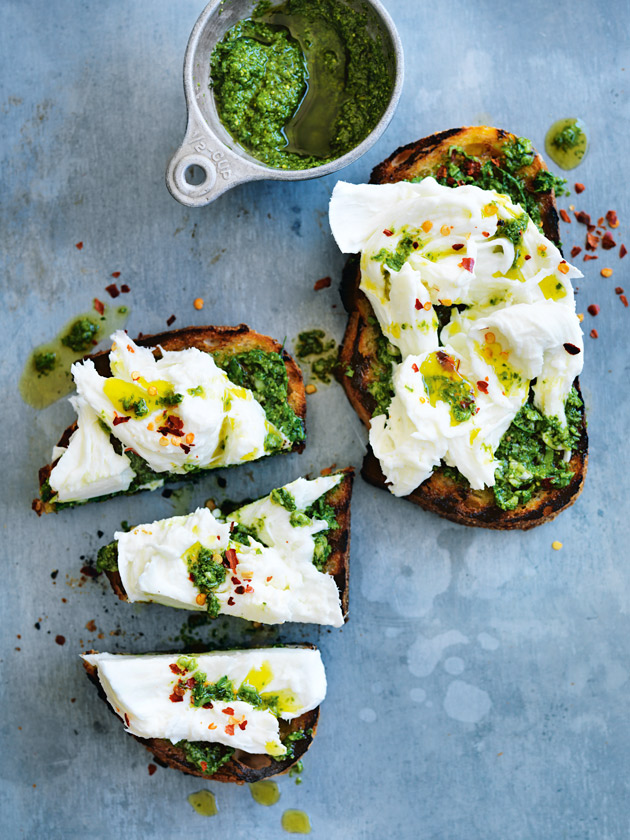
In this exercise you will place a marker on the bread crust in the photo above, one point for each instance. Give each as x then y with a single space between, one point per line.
211 339
440 493
242 767
338 562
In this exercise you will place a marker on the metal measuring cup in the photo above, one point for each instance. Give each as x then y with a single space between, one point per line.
207 144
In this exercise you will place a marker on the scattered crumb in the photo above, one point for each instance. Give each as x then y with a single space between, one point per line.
310 389
91 625
324 283
151 768
170 320
61 640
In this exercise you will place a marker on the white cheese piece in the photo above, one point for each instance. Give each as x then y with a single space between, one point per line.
89 467
272 583
139 688
425 244
221 423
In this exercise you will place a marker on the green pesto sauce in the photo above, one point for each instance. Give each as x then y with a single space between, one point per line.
265 375
530 455
501 175
301 83
566 143
443 382
396 259
204 756
207 575
283 498
46 376
513 230
320 353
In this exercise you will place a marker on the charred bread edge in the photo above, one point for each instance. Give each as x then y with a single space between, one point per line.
210 339
338 563
439 493
242 767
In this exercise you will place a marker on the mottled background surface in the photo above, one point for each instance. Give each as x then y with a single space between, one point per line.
480 688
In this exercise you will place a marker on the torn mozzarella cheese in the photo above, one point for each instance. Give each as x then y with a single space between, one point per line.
139 689
89 467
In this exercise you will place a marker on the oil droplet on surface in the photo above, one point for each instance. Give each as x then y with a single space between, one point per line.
265 793
566 142
204 803
296 822
41 389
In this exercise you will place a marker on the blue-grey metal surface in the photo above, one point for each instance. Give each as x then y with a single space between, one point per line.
480 687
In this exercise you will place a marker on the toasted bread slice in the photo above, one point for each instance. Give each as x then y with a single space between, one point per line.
441 493
337 563
242 767
226 341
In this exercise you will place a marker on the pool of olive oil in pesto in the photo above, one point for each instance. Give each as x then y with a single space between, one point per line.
301 83
204 803
46 376
296 822
566 142
265 792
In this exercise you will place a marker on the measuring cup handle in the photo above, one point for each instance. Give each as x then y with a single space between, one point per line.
223 170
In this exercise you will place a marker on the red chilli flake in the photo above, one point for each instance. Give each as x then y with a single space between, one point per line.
203 765
458 246
579 188
125 289
118 420
231 601
582 217
622 252
482 386
112 290
592 241
235 581
243 725
467 264
228 710
230 556
565 217
229 729
415 368
576 250
175 698
588 257
528 256
79 246
324 283
623 299
594 334
249 588
170 320
418 305
240 590
61 640
151 768
388 232
608 242
618 290
176 669
592 309
611 218
571 349
116 274
99 306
